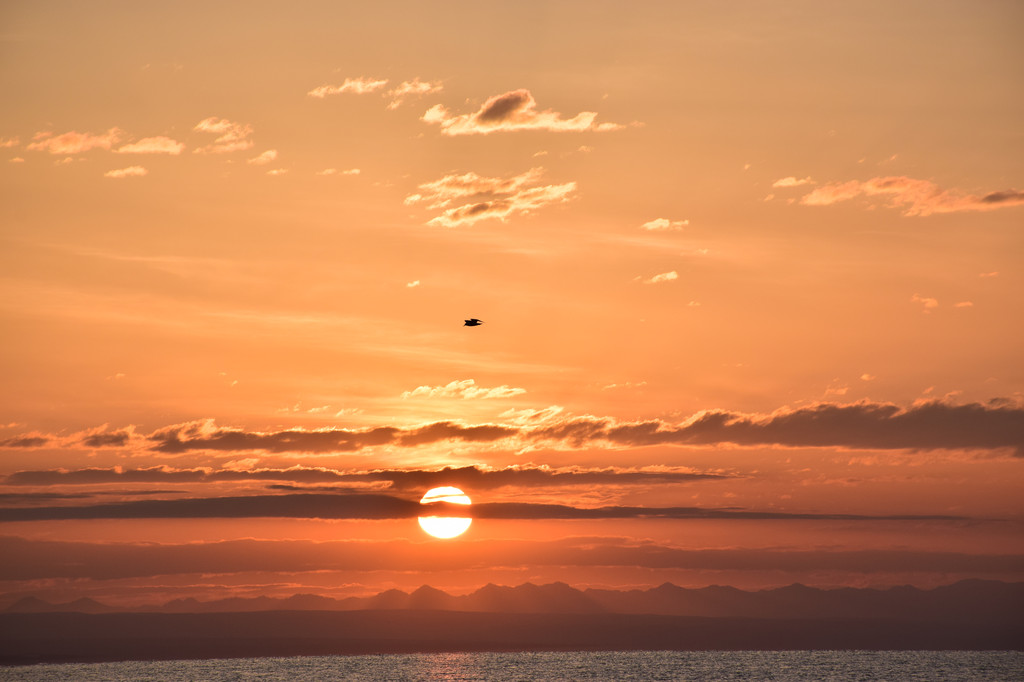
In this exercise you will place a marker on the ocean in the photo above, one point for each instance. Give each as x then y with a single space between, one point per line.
743 666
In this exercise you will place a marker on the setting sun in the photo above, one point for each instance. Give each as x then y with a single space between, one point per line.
445 527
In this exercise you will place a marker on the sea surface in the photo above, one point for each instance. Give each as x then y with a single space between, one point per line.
745 666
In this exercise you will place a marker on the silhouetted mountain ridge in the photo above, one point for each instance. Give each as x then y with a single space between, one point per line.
966 601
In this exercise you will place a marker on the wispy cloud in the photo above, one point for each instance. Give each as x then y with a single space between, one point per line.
231 136
480 198
263 159
335 171
7 142
663 277
74 142
414 88
662 224
915 197
153 145
515 110
129 172
356 86
465 389
792 181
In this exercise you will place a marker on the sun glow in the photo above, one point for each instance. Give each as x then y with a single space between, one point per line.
445 527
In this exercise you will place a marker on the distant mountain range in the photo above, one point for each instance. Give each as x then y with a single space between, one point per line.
969 615
965 601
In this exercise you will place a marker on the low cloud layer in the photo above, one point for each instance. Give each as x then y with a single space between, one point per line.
913 196
933 425
46 559
469 198
378 506
515 110
470 477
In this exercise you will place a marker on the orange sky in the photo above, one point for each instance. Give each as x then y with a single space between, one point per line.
750 276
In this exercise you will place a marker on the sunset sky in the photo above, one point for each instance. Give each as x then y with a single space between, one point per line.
750 275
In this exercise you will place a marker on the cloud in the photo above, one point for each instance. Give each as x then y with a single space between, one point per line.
515 110
25 442
278 171
152 145
411 480
413 284
413 88
928 425
74 142
663 277
928 303
357 86
964 304
7 142
915 197
465 389
792 181
204 435
335 171
108 439
16 159
231 136
481 198
665 224
377 506
864 425
264 158
129 172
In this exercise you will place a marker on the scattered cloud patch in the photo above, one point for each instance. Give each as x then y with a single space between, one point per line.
263 159
661 224
16 159
129 172
278 171
515 110
7 142
469 198
915 197
231 136
153 145
988 274
465 389
356 86
74 142
413 284
964 304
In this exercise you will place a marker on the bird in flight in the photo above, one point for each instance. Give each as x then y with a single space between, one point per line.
473 322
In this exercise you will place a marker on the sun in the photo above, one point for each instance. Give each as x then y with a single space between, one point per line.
445 527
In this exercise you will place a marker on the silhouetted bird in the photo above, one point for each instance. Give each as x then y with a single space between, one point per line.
473 322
